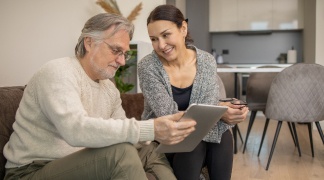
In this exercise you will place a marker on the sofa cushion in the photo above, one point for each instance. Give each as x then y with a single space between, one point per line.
9 102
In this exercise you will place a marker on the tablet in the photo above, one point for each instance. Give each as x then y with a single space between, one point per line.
206 117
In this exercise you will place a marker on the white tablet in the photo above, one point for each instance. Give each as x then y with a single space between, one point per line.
206 117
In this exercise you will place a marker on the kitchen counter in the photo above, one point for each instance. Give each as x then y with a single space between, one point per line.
253 66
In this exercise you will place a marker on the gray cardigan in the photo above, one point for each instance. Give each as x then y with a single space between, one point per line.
156 88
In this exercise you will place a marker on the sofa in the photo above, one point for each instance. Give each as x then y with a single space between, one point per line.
9 101
10 97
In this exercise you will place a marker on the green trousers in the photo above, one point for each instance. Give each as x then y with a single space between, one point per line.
120 161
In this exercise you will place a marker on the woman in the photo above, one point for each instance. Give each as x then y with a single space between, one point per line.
177 74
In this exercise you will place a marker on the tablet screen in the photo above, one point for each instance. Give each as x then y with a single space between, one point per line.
206 117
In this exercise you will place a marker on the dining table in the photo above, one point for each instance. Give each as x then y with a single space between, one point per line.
246 70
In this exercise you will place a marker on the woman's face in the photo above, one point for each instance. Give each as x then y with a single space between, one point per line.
167 39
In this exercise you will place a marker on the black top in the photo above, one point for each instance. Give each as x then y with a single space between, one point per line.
181 96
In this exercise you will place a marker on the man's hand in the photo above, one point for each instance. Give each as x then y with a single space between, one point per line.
235 113
169 130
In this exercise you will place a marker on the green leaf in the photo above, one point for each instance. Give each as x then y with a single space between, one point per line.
121 73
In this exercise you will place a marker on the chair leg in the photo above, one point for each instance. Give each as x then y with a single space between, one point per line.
252 118
274 143
296 138
239 132
320 131
234 130
311 137
263 134
291 132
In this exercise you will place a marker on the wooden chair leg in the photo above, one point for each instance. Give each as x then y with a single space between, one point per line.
263 134
311 137
252 118
274 143
291 132
296 138
320 131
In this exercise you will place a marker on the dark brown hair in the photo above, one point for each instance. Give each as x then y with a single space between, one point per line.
169 13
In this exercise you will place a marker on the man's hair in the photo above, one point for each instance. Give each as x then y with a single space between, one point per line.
97 25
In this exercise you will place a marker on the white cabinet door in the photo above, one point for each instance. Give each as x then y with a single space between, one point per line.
254 15
250 15
222 15
288 14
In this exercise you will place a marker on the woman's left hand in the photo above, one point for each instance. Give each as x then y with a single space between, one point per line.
235 113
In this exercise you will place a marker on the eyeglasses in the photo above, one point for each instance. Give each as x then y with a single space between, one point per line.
115 51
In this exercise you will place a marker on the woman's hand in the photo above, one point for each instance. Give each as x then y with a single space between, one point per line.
235 113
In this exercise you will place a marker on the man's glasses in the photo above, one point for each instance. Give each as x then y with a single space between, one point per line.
115 51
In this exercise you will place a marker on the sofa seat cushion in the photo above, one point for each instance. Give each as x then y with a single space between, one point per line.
133 104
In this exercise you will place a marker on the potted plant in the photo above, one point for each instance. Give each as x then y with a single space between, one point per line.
123 72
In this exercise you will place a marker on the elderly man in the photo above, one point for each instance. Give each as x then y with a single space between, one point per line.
70 123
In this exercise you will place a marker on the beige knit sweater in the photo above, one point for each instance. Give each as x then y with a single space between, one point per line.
63 111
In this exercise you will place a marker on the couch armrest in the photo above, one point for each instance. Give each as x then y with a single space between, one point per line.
9 101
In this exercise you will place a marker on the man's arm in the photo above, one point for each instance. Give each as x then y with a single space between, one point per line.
59 95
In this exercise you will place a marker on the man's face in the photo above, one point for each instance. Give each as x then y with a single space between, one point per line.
105 58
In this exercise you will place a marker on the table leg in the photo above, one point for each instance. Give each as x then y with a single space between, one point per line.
236 90
237 95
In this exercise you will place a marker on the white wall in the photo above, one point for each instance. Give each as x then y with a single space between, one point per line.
33 32
181 4
319 58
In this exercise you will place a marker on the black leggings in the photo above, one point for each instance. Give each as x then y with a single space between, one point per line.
217 157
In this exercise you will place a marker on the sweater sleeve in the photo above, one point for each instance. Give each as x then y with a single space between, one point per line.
208 78
156 87
58 95
145 127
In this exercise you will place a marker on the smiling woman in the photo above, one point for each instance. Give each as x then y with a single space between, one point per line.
177 74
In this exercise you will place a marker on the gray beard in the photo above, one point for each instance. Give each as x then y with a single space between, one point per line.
103 73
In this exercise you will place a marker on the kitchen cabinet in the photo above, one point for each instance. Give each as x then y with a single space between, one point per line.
253 15
288 14
222 15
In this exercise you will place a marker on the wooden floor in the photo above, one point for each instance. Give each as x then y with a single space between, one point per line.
285 163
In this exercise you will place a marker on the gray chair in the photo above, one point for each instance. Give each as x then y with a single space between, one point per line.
257 90
222 90
297 95
222 94
228 79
